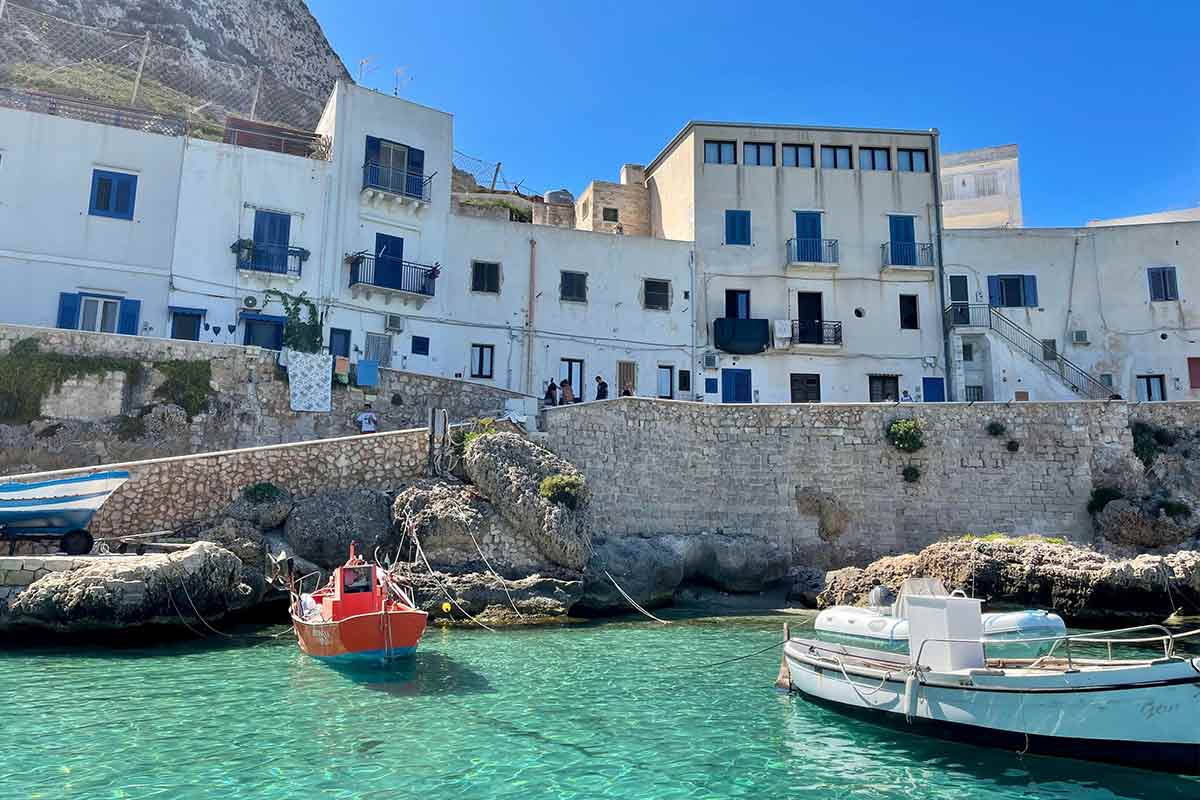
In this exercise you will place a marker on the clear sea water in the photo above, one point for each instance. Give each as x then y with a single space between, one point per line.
615 709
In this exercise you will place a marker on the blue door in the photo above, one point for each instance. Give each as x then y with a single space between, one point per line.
808 237
389 262
933 390
272 232
735 386
904 240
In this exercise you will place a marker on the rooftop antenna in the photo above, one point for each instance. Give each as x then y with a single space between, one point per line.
402 77
364 67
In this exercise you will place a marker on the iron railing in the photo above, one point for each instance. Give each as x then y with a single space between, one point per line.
907 254
397 181
812 251
277 259
92 111
816 331
1079 380
392 273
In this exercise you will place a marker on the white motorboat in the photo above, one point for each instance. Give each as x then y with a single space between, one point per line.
56 509
884 623
1130 711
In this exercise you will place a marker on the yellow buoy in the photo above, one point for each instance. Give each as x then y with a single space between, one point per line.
445 608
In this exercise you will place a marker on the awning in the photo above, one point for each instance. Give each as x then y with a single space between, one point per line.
187 310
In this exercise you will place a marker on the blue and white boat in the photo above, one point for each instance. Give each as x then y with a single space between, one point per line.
59 509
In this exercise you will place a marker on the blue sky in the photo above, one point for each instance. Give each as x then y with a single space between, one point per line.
1103 98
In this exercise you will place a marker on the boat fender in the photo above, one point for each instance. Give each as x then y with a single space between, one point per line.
912 686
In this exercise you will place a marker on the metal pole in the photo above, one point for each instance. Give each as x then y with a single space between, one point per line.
257 90
495 175
137 82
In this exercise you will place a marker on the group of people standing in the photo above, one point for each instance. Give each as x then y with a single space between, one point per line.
562 393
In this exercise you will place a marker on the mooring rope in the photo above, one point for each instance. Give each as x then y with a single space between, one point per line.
503 583
450 597
633 602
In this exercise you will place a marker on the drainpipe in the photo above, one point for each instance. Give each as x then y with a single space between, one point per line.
696 373
941 265
529 318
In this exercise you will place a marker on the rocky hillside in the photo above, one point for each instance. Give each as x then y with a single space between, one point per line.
279 36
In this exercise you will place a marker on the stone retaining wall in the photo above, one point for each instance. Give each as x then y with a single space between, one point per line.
248 407
822 480
17 572
166 493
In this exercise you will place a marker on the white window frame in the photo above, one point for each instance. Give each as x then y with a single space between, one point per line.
98 324
483 355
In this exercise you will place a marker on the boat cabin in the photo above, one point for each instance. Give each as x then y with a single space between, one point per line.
355 589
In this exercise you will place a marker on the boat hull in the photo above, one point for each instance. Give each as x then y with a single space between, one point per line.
365 638
1137 716
55 507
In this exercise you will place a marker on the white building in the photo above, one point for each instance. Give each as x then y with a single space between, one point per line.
982 188
816 259
1065 313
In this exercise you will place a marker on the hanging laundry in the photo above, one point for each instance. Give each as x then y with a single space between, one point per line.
309 387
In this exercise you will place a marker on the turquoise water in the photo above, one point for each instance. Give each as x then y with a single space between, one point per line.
615 709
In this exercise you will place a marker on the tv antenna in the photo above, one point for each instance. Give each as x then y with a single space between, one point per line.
365 67
401 78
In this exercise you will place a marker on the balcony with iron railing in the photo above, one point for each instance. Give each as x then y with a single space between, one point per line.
903 255
399 182
823 252
269 259
392 275
817 332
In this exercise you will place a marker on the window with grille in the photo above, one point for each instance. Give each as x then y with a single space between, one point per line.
987 184
657 294
883 388
1163 286
485 277
573 287
379 348
973 394
797 155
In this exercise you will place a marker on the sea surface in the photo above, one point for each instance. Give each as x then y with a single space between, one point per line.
621 709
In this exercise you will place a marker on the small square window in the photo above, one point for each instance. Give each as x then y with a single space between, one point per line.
797 155
974 394
737 227
912 160
968 351
710 386
482 356
611 214
720 152
485 277
573 287
1107 379
758 155
873 159
1163 286
1049 349
833 157
656 294
685 380
420 346
113 194
910 320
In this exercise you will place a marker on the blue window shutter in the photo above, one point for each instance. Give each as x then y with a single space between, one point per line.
416 172
124 195
993 290
730 227
745 215
1030 281
127 318
68 310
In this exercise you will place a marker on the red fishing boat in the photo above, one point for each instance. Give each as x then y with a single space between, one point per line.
362 615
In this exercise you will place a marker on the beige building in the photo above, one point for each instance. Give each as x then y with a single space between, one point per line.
982 188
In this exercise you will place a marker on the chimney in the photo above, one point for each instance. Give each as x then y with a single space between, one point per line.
633 174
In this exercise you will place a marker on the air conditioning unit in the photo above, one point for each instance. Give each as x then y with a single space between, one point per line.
711 361
1079 337
249 301
393 322
783 332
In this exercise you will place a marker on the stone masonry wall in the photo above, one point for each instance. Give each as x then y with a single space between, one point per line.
822 481
167 493
249 405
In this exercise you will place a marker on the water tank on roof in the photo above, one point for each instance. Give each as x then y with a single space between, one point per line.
560 197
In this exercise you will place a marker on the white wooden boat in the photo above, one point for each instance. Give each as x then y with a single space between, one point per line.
57 509
884 623
1135 712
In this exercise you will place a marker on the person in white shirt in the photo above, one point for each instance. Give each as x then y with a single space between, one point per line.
367 420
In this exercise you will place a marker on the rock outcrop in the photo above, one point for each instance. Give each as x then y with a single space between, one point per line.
480 594
509 469
320 528
1081 584
128 591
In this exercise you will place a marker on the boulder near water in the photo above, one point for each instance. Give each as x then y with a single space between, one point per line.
320 528
118 592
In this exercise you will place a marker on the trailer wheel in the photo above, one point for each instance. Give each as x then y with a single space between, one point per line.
77 543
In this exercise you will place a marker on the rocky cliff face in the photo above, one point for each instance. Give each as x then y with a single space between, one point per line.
279 36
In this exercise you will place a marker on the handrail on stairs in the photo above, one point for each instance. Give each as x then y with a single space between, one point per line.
1074 376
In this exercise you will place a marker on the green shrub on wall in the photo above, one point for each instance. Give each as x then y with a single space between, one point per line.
564 490
188 385
906 434
27 375
911 474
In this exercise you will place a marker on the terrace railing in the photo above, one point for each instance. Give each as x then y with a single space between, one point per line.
812 251
393 273
907 254
819 331
413 185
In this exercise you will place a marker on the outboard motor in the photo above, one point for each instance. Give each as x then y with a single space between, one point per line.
881 597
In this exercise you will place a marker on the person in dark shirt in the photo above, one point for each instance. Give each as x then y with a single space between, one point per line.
551 398
627 391
601 389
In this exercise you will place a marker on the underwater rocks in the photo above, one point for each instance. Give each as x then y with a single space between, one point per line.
509 470
115 592
1081 584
